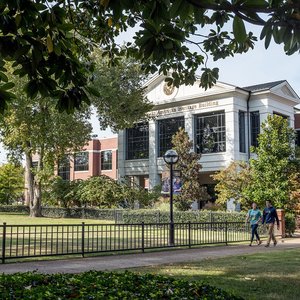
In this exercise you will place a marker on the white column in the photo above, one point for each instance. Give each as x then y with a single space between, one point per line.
121 153
153 174
232 140
189 124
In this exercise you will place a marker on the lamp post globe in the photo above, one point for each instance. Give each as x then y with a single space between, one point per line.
171 157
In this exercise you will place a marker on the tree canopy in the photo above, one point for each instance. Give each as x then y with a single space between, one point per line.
50 41
11 183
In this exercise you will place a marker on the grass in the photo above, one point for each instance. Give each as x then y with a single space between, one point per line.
257 276
22 219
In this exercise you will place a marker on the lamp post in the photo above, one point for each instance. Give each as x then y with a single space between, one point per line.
171 158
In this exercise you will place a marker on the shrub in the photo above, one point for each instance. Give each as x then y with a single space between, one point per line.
60 212
101 191
21 209
156 216
290 223
104 285
59 192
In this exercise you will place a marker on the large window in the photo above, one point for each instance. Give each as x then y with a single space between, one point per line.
166 129
106 160
242 131
297 141
281 115
255 127
137 141
64 168
210 131
81 161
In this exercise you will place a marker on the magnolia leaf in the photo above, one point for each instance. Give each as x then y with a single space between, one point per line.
239 30
49 44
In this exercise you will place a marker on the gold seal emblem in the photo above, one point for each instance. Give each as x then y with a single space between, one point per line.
168 89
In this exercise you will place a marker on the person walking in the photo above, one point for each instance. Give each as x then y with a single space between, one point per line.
269 217
254 216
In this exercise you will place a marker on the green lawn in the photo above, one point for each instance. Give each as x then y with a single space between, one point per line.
273 275
21 219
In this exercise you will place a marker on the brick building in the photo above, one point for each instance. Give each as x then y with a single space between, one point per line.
98 157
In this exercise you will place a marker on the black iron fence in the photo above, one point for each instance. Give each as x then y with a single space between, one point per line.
22 241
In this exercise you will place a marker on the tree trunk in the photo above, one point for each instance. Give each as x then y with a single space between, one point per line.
34 189
27 186
36 204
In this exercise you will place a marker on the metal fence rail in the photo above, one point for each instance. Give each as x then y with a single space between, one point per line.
21 241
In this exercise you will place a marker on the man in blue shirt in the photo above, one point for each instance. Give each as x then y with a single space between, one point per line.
269 217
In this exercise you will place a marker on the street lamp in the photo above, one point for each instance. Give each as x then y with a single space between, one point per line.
171 158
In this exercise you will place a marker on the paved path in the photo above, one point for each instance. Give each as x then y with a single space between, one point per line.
127 261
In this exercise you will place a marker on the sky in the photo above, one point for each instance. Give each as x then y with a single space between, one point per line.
254 67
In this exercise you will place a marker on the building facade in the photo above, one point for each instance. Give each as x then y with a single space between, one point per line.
223 122
98 157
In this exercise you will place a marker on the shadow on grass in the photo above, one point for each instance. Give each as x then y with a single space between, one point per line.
260 276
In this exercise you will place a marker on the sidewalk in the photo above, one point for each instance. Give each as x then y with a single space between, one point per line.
127 261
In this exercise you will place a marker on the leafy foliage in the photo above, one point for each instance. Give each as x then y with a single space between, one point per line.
35 127
62 193
272 169
11 183
157 216
233 182
101 191
120 99
273 174
189 166
97 191
104 285
51 42
290 223
62 212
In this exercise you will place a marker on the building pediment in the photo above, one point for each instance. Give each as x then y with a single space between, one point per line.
286 91
159 92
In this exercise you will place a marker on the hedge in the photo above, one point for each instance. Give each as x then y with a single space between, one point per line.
21 209
104 285
60 212
130 216
156 216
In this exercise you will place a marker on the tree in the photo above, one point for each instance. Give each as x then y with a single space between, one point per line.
271 168
233 182
189 166
11 183
120 99
50 41
35 127
62 193
101 191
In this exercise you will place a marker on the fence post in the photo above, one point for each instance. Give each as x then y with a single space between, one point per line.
226 233
190 234
143 237
3 242
82 238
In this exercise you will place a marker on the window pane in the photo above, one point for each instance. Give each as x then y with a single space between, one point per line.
255 127
297 142
106 160
64 168
210 131
242 131
166 129
81 161
137 141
